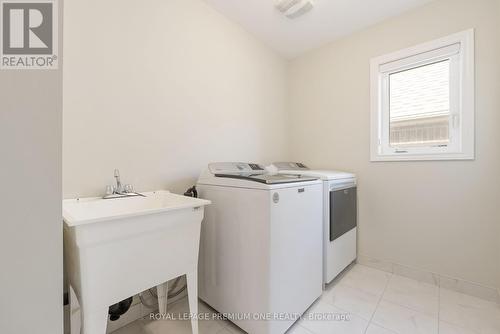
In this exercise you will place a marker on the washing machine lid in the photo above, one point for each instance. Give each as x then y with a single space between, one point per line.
250 175
270 179
298 168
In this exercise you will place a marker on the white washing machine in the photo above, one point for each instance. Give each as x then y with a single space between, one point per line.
260 251
339 215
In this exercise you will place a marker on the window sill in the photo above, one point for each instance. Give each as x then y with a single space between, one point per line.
421 157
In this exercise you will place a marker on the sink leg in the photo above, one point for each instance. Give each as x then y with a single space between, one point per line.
162 290
74 312
94 319
192 285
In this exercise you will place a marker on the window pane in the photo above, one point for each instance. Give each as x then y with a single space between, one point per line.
420 106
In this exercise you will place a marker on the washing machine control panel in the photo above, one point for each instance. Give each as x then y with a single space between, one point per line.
290 166
236 168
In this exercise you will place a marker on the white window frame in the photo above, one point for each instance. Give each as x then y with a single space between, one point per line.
459 50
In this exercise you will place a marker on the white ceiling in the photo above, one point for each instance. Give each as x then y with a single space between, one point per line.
329 20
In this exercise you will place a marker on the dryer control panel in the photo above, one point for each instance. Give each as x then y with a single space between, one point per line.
290 166
236 168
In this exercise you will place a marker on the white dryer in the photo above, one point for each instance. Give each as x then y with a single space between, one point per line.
260 251
339 215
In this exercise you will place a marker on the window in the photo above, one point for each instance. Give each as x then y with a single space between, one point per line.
422 101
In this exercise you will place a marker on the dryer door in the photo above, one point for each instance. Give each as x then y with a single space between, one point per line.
343 211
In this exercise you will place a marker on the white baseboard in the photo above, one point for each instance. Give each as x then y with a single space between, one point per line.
455 284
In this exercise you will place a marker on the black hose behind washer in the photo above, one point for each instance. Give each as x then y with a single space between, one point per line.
191 192
117 310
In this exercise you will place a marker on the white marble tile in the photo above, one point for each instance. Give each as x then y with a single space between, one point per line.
404 320
366 279
374 263
324 318
469 312
225 331
180 327
297 329
469 288
416 274
406 307
353 300
133 328
413 294
458 285
232 328
446 328
167 326
177 322
376 329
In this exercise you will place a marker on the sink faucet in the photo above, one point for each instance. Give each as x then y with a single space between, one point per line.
118 182
119 190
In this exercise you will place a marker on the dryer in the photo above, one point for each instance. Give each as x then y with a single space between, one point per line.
260 251
339 215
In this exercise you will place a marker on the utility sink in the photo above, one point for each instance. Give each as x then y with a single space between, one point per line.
115 248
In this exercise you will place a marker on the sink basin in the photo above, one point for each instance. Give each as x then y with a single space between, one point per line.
95 209
116 248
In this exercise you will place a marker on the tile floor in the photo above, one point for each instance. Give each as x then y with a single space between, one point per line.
376 302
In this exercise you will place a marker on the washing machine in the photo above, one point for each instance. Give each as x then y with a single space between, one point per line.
339 215
260 249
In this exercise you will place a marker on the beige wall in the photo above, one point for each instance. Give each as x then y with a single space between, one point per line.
31 247
173 85
437 216
159 88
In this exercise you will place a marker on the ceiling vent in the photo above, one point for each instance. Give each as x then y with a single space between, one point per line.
294 8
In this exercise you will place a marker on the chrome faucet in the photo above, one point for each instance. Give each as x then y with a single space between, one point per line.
119 190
